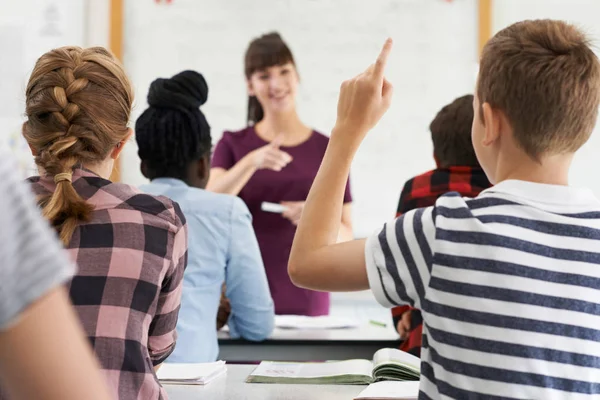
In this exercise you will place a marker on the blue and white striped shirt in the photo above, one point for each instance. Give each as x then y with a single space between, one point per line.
509 288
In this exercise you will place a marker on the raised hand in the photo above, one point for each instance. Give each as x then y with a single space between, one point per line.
363 101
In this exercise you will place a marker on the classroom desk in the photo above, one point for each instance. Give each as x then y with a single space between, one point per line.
309 345
232 386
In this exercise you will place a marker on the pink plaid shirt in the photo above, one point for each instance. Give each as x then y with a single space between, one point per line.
127 290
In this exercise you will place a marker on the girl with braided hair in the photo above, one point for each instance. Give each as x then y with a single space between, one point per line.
130 248
174 143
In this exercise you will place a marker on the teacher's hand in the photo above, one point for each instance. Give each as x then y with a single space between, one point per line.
270 156
293 210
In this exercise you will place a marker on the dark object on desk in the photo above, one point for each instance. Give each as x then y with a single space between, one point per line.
224 310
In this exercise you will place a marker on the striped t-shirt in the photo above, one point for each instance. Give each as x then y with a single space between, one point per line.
509 288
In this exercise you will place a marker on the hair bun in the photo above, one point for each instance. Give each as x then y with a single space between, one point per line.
187 89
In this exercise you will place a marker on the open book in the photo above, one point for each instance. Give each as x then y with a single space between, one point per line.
191 374
387 365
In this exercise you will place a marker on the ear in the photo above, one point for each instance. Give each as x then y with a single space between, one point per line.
492 120
121 145
250 88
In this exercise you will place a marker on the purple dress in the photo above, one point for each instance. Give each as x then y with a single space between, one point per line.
275 233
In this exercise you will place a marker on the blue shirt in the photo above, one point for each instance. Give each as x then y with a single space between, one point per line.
222 248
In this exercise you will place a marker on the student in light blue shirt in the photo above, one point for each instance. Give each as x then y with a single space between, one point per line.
174 143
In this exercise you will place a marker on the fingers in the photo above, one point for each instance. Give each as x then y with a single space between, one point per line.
379 66
276 160
387 91
276 143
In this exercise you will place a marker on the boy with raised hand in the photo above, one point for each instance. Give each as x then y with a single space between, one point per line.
508 283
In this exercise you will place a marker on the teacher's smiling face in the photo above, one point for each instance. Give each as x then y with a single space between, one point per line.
275 88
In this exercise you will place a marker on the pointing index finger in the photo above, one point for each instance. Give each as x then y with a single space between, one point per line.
381 61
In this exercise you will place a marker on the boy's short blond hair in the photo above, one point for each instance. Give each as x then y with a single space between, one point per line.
546 78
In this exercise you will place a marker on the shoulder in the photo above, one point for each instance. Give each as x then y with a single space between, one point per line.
203 202
319 137
153 209
36 186
235 136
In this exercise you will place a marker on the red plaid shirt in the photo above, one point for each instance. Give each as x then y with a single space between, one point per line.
422 191
127 290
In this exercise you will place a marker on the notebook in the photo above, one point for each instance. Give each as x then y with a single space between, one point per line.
387 365
390 390
322 322
191 374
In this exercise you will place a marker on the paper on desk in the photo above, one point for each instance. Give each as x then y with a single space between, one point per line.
198 373
274 369
322 322
390 390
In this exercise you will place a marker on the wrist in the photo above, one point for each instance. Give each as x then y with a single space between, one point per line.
347 138
249 162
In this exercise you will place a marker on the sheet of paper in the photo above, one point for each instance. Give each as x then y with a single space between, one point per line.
313 370
322 322
390 390
181 372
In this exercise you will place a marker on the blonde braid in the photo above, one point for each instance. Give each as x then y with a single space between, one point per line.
78 105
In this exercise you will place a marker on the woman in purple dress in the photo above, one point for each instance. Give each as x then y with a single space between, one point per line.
275 159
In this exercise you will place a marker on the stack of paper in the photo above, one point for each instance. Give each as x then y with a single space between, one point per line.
191 374
390 390
322 322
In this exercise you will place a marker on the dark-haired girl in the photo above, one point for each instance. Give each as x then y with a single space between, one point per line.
174 142
275 159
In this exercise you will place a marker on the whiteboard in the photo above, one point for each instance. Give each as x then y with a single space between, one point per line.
433 62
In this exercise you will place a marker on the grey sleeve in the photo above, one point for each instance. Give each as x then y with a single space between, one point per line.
32 260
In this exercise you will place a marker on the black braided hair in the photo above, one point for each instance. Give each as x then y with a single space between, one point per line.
173 132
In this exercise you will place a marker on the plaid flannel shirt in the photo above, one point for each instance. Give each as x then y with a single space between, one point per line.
422 191
127 289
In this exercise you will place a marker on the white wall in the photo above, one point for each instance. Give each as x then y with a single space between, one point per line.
433 62
583 13
29 28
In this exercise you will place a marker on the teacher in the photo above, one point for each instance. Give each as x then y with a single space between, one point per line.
275 159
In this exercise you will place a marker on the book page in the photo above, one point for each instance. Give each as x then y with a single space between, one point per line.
395 356
313 370
390 390
182 372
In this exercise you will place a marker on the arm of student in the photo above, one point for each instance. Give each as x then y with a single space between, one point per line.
252 310
162 335
345 234
316 262
45 356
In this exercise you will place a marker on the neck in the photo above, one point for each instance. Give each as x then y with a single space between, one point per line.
551 170
289 124
103 169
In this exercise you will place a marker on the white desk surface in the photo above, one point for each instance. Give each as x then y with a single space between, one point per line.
232 386
364 333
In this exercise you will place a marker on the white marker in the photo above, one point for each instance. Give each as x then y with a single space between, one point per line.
272 207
